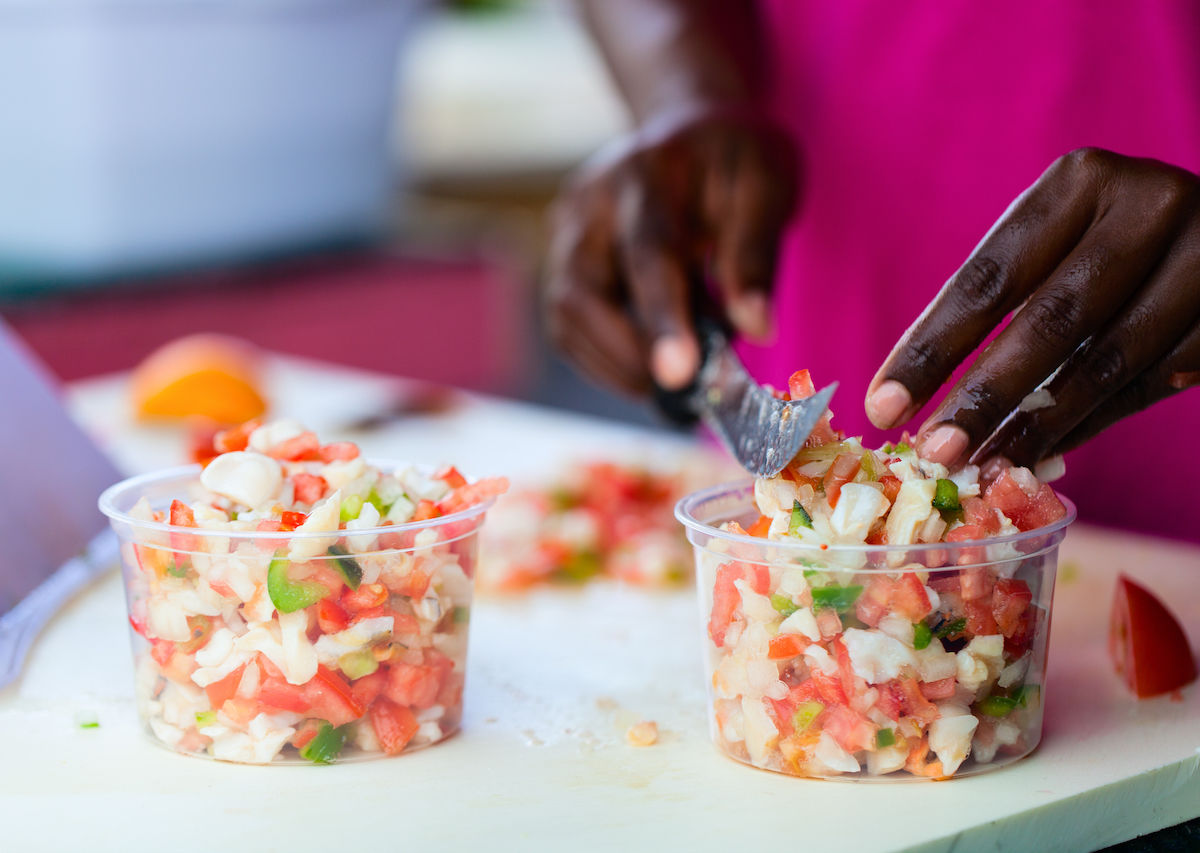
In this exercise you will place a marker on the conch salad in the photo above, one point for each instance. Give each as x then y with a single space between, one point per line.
600 519
343 635
841 660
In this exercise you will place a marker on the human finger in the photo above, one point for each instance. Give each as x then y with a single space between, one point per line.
1160 315
1020 251
1178 371
652 255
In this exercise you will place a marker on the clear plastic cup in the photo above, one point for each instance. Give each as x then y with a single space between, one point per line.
871 662
285 647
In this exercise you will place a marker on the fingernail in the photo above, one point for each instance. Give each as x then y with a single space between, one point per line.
887 403
1050 469
751 314
674 361
945 444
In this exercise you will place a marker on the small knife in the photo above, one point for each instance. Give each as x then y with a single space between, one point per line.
762 432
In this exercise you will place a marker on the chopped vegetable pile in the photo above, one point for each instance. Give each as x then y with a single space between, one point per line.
602 519
835 658
345 633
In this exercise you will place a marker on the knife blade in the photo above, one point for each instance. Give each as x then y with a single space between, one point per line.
762 432
52 475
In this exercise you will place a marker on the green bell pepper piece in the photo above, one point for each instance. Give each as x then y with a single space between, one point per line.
325 747
784 605
347 565
945 497
947 629
884 737
804 715
287 595
351 507
922 636
800 518
996 706
840 598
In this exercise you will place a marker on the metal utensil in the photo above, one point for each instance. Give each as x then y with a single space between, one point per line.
762 432
50 476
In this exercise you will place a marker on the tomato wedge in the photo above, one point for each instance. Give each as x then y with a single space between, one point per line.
1148 646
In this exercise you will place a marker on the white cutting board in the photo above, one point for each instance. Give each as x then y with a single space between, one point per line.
554 679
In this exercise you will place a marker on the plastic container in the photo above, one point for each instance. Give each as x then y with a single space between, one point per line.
141 135
872 662
222 671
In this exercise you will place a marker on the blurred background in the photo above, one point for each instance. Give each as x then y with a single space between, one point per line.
359 181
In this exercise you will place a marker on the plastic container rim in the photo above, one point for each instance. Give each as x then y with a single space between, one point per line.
107 504
686 505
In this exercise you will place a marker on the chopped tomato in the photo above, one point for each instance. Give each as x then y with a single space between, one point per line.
331 698
1045 509
945 582
415 685
977 513
394 725
890 699
219 692
182 516
161 651
783 709
278 693
330 617
980 621
451 477
235 438
829 687
425 510
761 527
470 494
309 488
1010 599
368 688
849 728
366 597
137 625
801 387
784 646
915 703
891 486
968 555
844 468
306 731
1027 503
850 682
727 599
290 520
872 605
1148 646
413 585
300 448
910 599
338 451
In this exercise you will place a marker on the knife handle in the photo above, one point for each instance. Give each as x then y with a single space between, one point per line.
679 407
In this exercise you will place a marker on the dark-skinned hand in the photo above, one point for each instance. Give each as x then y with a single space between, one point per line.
1100 261
645 220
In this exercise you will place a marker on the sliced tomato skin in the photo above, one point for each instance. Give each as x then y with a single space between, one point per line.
1148 646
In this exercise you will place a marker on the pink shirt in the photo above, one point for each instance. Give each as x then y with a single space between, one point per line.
918 124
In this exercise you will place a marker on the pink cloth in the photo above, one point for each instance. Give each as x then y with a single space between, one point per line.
918 124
